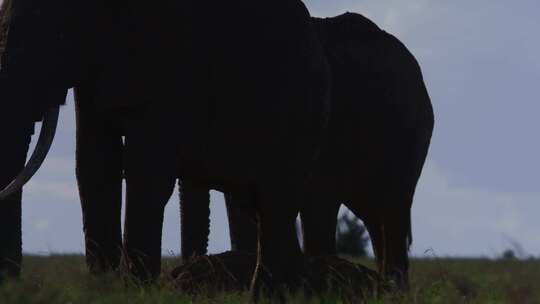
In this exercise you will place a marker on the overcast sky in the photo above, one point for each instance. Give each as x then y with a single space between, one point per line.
480 189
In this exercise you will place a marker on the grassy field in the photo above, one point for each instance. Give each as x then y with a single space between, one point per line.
64 279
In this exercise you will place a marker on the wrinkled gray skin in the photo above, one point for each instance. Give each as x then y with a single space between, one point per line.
197 106
379 134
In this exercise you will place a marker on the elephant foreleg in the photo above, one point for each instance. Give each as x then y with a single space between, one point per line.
319 220
150 178
389 231
279 260
99 177
14 148
10 234
396 233
195 218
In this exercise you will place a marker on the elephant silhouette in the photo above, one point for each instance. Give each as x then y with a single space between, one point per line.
379 134
225 98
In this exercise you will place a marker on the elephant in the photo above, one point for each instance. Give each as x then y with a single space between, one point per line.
379 134
166 71
376 149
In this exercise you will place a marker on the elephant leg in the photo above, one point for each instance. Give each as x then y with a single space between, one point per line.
319 220
11 235
150 179
99 177
374 227
242 217
390 233
195 218
10 208
397 239
279 259
147 194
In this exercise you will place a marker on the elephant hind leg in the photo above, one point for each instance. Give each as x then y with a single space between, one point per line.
319 220
389 227
148 191
396 230
147 195
279 261
242 222
195 218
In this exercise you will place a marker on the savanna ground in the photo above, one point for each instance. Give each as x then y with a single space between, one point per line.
64 279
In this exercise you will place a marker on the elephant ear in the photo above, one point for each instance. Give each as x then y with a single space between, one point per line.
5 16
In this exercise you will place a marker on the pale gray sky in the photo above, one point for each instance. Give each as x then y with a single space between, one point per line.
480 188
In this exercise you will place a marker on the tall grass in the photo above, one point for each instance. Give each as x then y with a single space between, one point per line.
64 279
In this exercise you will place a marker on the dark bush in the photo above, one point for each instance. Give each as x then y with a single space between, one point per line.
509 254
351 236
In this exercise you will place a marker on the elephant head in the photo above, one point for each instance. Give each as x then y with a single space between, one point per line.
46 48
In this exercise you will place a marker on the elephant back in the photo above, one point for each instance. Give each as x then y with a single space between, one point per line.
335 31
